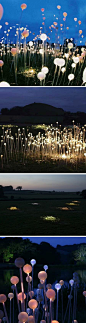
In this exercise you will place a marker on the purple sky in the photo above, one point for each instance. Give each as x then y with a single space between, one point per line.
69 98
58 182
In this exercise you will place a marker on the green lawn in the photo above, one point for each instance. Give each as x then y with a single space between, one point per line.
30 219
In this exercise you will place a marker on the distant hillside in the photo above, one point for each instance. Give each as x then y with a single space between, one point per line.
34 109
39 113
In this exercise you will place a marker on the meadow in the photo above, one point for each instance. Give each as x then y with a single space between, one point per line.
42 214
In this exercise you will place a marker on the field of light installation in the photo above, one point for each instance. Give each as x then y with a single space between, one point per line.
52 149
32 297
55 55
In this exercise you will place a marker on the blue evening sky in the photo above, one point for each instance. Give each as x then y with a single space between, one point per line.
58 182
69 98
32 16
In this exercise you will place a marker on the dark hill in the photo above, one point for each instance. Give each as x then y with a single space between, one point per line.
34 109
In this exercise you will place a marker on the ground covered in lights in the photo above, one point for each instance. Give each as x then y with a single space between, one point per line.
57 214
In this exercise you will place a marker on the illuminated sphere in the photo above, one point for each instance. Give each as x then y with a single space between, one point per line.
45 266
42 275
57 286
76 59
23 6
61 282
23 317
3 298
58 7
31 293
25 33
84 75
28 279
70 77
54 321
70 45
49 286
27 269
84 293
56 61
45 70
80 32
20 298
65 14
30 319
75 19
14 280
63 69
43 37
19 262
4 84
1 314
33 262
41 51
10 295
73 65
13 51
79 22
71 282
1 63
61 62
30 43
42 9
50 293
33 304
41 76
1 11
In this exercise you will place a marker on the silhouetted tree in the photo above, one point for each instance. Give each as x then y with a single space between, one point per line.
19 188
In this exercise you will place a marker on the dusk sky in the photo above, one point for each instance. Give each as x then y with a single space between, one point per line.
57 240
69 98
45 182
32 16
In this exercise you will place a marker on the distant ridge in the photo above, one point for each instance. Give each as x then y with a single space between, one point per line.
34 109
35 113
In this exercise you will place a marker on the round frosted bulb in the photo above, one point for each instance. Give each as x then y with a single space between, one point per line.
33 262
45 70
30 43
43 37
70 45
70 77
57 286
41 76
45 267
71 282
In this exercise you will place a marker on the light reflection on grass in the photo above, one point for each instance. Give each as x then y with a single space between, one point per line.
51 218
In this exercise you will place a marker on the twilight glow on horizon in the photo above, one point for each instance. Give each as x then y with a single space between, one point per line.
57 182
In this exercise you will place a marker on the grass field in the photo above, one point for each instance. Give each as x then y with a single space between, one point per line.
44 218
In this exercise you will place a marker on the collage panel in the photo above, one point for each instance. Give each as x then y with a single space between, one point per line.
43 279
43 204
42 43
43 131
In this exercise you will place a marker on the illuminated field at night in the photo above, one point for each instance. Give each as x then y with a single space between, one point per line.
52 149
51 214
